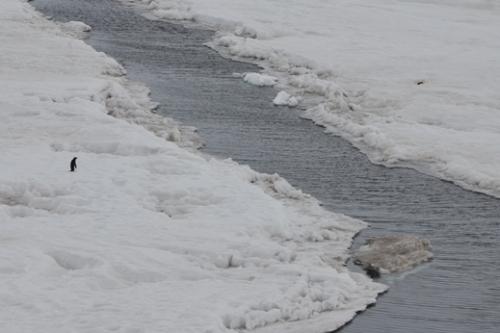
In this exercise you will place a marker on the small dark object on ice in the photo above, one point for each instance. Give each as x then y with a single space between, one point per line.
72 165
419 83
372 271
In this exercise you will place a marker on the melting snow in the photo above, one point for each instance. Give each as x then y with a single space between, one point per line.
146 236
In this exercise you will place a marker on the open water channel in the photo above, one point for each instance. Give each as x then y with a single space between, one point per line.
459 291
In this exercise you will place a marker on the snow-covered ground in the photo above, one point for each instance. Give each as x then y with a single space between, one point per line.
410 82
145 236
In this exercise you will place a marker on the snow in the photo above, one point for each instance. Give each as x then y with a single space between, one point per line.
76 29
77 26
284 98
395 253
260 80
410 82
146 236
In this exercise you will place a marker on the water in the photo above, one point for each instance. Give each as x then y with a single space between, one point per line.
458 292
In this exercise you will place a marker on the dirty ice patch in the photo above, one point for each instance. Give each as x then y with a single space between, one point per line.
392 254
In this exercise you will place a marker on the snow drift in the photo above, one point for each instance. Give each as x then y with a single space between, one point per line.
146 236
411 83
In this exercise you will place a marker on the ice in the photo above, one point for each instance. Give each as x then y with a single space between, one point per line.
284 98
76 28
411 83
146 236
260 80
395 253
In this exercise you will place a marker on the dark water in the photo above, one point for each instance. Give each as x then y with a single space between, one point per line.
458 292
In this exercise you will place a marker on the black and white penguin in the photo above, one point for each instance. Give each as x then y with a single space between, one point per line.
72 165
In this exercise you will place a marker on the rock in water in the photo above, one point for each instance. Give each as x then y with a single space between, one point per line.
372 271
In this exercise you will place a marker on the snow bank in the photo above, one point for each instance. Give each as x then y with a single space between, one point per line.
395 253
411 83
146 236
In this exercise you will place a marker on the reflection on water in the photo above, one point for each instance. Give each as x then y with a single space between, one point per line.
458 292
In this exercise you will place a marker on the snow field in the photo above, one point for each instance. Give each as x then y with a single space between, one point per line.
411 83
146 236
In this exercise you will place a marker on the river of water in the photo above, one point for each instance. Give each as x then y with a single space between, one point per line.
459 291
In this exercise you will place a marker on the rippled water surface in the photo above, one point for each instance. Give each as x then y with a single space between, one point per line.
458 292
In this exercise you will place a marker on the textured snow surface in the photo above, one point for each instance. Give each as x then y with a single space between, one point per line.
410 82
145 236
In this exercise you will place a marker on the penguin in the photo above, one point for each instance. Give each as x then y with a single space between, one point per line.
72 165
